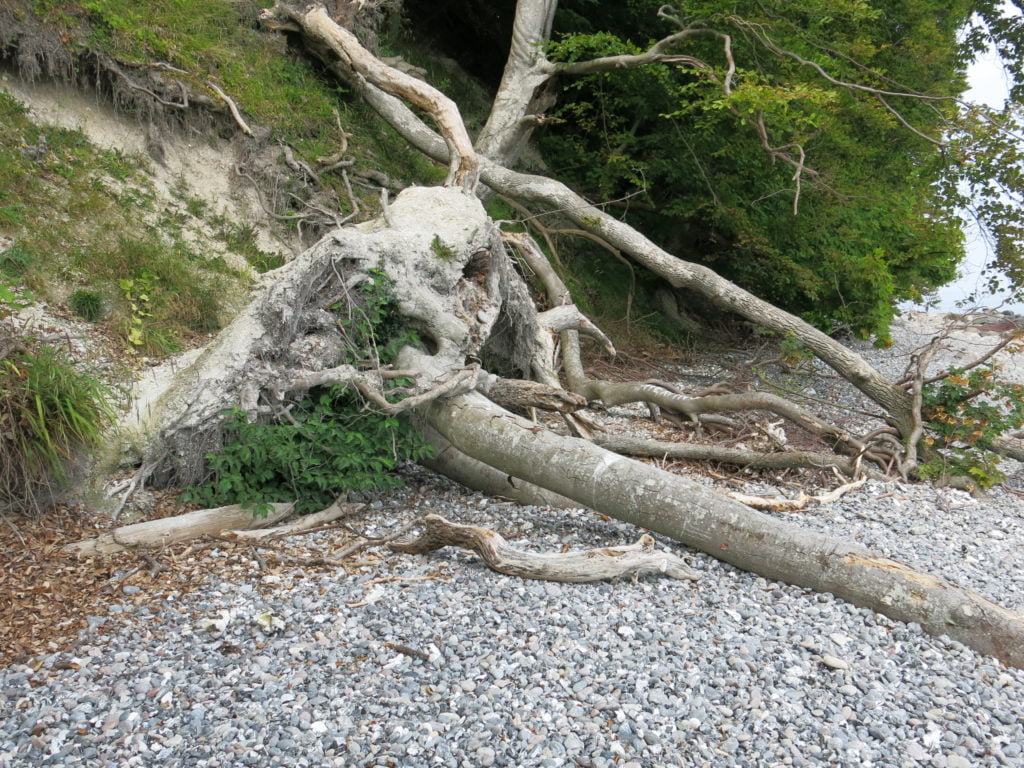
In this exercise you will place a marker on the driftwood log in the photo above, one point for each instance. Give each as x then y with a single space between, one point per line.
169 530
304 523
639 559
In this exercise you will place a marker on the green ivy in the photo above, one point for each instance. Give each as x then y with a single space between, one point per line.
330 447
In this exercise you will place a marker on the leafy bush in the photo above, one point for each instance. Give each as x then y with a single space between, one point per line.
966 411
329 444
329 448
50 414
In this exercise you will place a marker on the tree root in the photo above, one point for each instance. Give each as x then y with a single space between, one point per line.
633 560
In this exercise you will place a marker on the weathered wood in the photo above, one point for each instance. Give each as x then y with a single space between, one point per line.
520 394
304 523
168 530
325 33
800 502
639 559
672 505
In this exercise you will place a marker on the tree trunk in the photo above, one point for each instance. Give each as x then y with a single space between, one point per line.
698 517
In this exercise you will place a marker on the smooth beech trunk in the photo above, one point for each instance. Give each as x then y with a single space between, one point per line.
651 498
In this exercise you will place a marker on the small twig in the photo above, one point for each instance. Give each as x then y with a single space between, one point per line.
231 106
908 379
359 546
407 651
262 202
136 87
260 561
164 66
155 566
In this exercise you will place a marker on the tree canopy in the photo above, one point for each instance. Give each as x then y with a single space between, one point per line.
815 153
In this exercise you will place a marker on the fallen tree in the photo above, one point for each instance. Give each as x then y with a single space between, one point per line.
458 287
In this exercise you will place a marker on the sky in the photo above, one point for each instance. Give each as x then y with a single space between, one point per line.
988 82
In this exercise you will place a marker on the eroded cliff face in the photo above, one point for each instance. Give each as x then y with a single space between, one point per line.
200 167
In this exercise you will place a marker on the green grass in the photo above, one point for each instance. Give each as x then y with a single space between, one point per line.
50 413
77 226
279 88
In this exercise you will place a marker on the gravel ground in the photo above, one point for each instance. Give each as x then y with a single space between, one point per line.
434 660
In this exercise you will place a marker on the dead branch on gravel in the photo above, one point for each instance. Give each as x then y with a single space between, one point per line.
303 525
634 560
800 502
168 530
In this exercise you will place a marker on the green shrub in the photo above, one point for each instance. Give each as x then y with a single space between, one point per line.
87 304
964 413
330 443
50 415
330 447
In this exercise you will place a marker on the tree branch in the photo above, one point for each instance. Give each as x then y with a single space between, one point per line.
316 23
639 559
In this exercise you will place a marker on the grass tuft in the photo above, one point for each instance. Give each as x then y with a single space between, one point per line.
51 414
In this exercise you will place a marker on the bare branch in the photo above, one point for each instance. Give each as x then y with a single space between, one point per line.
740 457
634 560
800 502
763 38
231 106
908 126
316 24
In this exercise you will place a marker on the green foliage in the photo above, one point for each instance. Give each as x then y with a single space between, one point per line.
80 227
272 82
374 328
136 294
50 413
966 411
442 251
687 165
241 239
331 444
331 448
793 351
87 304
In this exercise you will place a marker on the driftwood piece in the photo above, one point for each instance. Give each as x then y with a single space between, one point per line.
168 530
800 502
304 523
634 560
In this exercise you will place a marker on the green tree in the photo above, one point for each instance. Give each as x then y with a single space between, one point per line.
795 148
